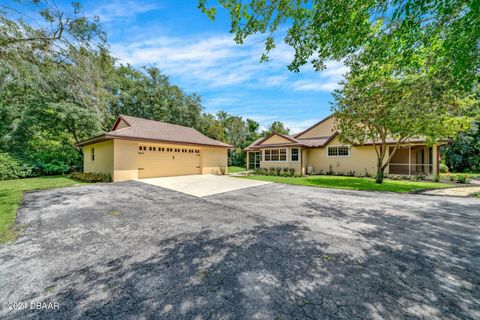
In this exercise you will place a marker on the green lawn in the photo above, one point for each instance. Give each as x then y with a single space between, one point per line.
234 169
11 193
353 183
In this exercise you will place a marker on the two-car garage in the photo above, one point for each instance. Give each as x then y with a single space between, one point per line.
167 160
137 148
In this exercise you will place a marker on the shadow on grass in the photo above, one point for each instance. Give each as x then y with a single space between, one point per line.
415 267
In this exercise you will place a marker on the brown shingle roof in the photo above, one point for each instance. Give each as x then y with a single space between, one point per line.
143 129
308 142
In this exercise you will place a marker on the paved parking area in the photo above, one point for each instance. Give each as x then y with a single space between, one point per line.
203 185
131 250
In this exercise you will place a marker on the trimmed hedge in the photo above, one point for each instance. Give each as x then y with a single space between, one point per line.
91 177
11 168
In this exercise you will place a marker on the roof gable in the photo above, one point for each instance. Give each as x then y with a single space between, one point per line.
276 138
120 123
323 128
132 128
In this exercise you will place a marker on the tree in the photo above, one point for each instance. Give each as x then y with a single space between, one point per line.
378 106
463 154
277 127
320 30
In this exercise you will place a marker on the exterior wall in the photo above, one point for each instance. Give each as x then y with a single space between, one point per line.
103 162
213 159
125 154
122 124
324 129
362 159
283 164
120 159
276 139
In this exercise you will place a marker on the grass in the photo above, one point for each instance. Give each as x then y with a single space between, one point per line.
11 194
353 183
234 169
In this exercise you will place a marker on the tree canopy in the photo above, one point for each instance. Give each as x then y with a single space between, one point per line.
60 84
320 30
377 106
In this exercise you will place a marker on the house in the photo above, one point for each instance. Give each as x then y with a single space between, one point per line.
138 148
318 150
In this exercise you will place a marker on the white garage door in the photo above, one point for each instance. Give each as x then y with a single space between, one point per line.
163 161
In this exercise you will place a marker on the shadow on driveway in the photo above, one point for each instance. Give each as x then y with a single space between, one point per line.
419 266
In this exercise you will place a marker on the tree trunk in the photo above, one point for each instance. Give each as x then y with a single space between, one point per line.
380 170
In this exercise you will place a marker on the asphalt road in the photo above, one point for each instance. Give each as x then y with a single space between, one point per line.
136 251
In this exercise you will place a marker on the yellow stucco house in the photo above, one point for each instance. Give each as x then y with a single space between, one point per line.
138 148
318 149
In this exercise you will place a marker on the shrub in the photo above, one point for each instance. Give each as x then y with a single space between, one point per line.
462 178
271 171
443 168
292 171
285 171
351 173
330 171
91 177
223 169
278 170
419 176
367 174
436 178
11 168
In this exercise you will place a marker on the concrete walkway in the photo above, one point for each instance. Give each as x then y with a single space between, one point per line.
457 192
203 185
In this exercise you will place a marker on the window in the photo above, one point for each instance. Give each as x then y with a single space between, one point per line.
266 156
338 151
154 148
144 148
140 148
275 155
93 154
294 155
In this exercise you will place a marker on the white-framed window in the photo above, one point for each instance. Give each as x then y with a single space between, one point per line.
338 151
275 155
93 154
294 156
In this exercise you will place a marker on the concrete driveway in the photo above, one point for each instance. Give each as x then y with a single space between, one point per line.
136 251
203 185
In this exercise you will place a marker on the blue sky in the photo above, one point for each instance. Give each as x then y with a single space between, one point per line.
200 56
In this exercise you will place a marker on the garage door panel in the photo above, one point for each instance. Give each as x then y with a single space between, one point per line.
162 163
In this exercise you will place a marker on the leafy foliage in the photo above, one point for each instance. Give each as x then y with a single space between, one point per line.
320 30
377 105
91 177
463 154
60 85
11 168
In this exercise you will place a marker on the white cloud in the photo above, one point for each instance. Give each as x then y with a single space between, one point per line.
128 9
312 85
299 126
217 61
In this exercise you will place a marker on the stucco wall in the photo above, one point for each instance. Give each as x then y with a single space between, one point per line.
282 164
212 159
361 160
324 129
276 139
103 162
125 164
